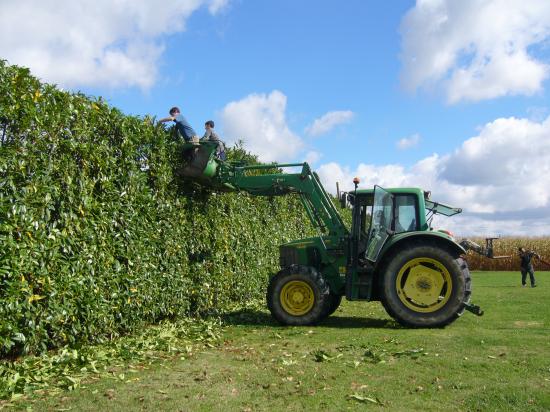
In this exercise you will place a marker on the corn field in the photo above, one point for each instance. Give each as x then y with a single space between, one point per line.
508 246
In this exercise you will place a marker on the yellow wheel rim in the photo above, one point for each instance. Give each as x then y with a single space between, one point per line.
424 285
297 297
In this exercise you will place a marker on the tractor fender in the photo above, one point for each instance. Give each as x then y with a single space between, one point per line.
436 237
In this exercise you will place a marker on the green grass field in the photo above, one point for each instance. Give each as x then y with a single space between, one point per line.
359 358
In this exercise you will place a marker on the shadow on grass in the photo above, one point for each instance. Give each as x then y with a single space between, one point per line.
499 287
250 317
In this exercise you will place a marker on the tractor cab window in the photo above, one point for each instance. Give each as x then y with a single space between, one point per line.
406 219
360 221
364 219
381 222
362 206
389 214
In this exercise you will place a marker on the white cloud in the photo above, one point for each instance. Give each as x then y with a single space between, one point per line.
217 5
501 178
467 224
313 157
93 42
408 142
328 121
369 175
260 121
475 49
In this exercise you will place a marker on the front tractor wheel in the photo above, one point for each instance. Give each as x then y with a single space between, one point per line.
425 286
297 295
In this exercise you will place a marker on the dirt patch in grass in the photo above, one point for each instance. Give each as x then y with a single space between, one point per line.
527 324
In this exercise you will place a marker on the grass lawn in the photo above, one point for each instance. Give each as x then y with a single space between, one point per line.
357 359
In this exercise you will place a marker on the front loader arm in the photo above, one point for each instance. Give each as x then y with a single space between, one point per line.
316 201
202 166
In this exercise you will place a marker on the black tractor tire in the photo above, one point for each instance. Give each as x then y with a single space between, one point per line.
332 303
421 271
297 295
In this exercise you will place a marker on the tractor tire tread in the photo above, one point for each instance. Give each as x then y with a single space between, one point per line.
315 280
442 317
332 304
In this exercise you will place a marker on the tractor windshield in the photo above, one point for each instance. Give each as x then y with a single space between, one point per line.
381 221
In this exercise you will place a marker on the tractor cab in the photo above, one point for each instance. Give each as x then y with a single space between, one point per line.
380 213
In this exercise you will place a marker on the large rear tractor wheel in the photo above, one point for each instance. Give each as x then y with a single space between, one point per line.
297 295
425 286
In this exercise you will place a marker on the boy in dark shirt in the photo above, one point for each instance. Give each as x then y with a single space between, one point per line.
527 266
182 125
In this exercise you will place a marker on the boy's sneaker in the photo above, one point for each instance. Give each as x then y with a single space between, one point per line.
533 286
523 285
195 140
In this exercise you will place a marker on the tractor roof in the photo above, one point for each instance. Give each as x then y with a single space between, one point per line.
414 190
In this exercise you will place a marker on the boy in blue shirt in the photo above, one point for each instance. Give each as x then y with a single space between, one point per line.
182 125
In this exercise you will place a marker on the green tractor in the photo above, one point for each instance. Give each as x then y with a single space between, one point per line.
390 253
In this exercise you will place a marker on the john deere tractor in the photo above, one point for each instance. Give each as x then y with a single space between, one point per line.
390 253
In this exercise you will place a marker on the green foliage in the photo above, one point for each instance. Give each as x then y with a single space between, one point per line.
66 368
98 234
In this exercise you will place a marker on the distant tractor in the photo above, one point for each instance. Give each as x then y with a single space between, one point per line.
390 253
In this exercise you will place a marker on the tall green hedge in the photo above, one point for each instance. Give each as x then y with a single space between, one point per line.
98 234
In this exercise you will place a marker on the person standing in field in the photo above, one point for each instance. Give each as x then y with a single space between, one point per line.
527 266
182 125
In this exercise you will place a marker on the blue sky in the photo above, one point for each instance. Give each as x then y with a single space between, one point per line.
450 96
